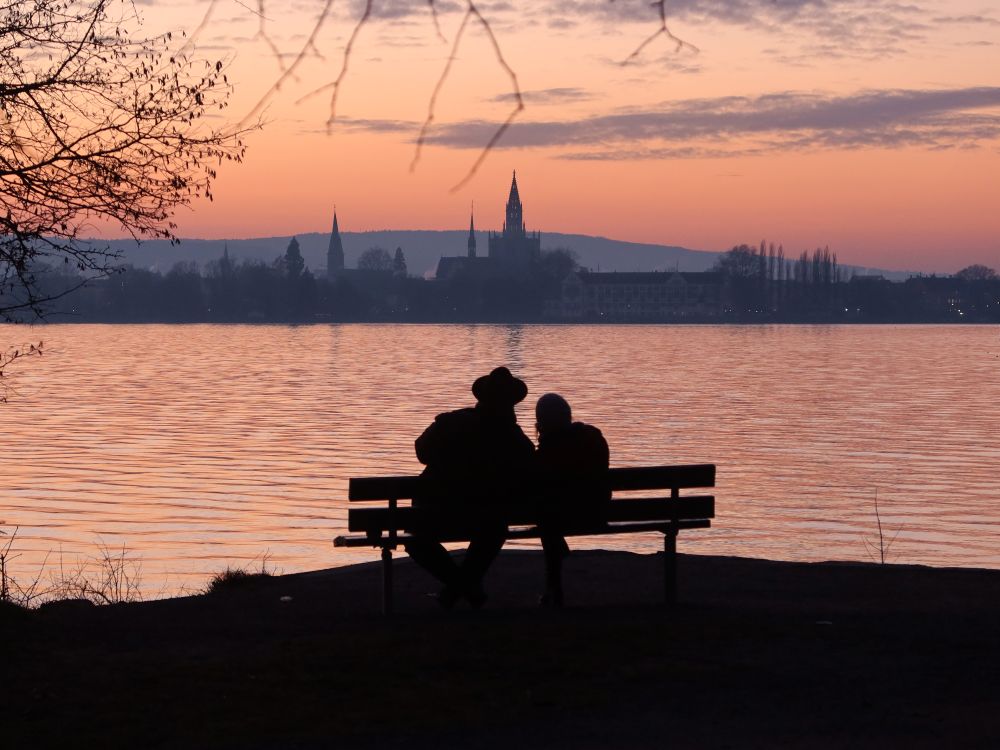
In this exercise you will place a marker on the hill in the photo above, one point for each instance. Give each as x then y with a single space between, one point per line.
423 248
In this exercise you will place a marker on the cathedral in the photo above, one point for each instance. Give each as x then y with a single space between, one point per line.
510 248
514 245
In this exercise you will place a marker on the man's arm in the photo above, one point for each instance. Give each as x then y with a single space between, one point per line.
427 445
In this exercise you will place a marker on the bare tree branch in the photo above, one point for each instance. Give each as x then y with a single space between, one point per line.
437 23
202 25
437 89
9 357
343 67
263 35
309 45
95 128
663 30
518 106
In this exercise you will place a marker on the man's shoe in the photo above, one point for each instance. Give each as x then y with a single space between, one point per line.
476 597
446 597
551 599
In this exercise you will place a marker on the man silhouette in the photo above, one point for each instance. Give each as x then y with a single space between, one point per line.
475 459
572 462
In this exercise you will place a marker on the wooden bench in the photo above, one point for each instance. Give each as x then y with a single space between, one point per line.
386 526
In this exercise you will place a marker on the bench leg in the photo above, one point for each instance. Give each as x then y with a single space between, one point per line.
386 581
670 566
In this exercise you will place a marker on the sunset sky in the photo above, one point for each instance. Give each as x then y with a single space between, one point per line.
872 127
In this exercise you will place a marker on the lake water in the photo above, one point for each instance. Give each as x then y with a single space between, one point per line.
198 447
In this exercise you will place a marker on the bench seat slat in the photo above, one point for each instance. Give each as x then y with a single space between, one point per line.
369 489
382 488
532 532
632 509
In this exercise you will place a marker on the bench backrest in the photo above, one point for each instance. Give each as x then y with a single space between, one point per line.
674 478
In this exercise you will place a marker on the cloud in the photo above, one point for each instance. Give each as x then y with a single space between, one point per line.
741 126
969 20
560 95
811 28
372 126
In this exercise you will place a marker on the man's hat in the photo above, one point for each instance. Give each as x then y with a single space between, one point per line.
499 387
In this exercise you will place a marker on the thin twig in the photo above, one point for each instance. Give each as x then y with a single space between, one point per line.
518 107
343 67
264 36
881 537
437 22
200 28
663 30
437 89
310 44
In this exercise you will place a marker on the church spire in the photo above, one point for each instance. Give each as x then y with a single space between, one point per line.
472 233
514 225
335 252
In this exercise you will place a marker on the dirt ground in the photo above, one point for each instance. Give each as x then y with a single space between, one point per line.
756 654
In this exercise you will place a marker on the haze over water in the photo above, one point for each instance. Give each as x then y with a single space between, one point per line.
203 446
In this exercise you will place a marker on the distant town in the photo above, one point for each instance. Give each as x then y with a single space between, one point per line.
514 280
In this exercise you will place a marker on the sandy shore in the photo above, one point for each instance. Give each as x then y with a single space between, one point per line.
757 654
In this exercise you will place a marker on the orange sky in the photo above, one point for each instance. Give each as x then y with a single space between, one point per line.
867 126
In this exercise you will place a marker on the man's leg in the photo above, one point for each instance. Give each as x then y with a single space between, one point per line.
431 555
555 549
484 546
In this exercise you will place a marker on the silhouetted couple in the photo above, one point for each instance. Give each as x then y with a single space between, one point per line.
480 464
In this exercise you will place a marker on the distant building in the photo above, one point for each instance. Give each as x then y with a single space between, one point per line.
510 249
335 252
225 262
472 235
639 296
514 245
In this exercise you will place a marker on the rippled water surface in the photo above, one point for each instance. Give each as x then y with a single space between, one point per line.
203 446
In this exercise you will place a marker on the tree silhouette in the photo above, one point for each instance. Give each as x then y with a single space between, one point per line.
293 261
399 263
977 272
740 262
97 129
375 259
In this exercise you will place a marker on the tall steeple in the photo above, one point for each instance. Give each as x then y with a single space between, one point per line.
514 245
472 234
335 253
225 264
514 226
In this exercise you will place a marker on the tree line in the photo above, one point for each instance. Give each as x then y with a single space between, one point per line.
762 284
758 284
286 291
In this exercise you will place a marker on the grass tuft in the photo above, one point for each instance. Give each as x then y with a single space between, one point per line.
233 578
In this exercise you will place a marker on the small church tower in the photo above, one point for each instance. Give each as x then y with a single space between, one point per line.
225 264
335 253
472 236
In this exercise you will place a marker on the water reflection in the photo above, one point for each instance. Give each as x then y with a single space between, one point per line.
205 445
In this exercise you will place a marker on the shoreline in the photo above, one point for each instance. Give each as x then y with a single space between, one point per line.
756 653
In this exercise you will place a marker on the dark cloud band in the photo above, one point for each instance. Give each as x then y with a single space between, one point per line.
942 118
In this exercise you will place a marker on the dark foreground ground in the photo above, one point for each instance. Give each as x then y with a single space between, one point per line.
758 654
